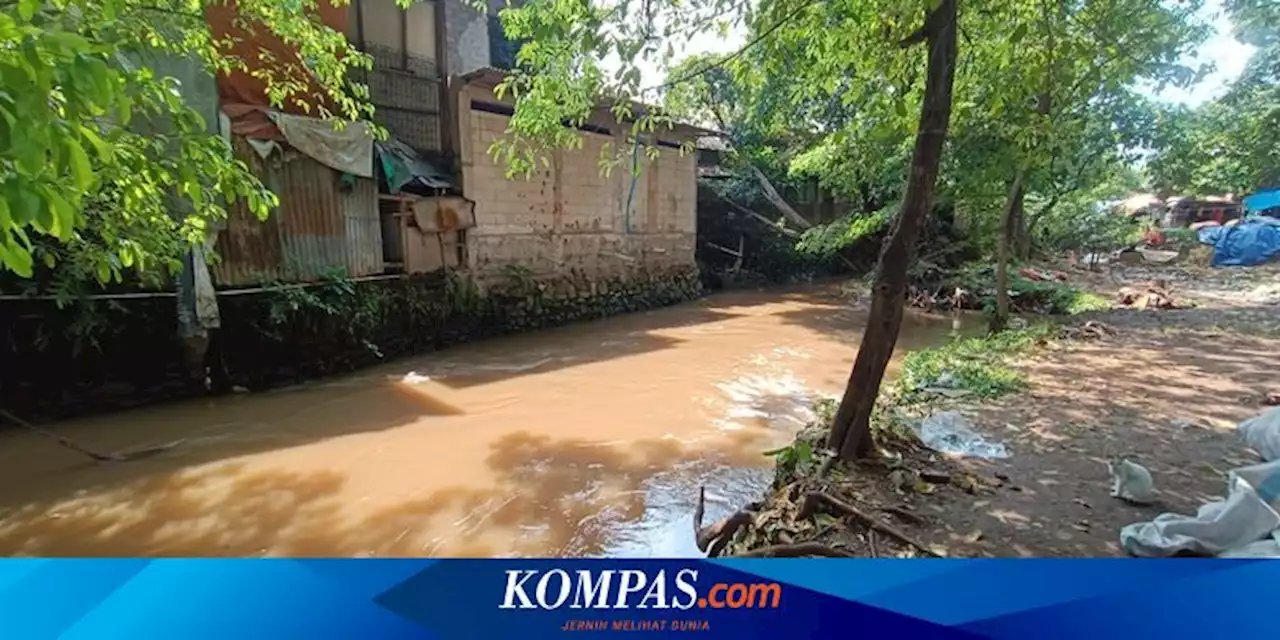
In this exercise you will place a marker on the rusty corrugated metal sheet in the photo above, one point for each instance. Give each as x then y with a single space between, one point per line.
317 230
312 228
363 229
249 250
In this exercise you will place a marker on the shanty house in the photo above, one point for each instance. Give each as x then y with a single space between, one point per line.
431 197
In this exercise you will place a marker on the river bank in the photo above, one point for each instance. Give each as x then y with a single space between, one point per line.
1163 386
589 439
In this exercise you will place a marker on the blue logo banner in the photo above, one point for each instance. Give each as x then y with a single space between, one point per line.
447 599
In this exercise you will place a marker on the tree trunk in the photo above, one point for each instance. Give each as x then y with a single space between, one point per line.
1035 221
778 201
851 429
1007 234
1022 235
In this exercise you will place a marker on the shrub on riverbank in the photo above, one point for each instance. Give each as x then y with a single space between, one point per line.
972 287
977 366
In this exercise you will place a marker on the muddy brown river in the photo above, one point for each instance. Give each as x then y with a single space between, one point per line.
586 440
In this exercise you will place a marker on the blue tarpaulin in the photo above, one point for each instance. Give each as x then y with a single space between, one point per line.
1263 200
1248 243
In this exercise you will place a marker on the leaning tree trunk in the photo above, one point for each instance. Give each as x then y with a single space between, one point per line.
851 430
1008 233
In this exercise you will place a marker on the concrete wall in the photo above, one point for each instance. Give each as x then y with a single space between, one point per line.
570 220
404 85
466 37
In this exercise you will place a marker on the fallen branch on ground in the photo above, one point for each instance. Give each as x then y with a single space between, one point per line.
815 499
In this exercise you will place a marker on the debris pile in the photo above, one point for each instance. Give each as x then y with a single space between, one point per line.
1091 330
1152 294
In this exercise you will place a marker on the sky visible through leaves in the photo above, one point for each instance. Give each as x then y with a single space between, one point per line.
1228 56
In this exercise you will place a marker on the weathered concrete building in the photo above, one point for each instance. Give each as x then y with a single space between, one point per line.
432 89
568 217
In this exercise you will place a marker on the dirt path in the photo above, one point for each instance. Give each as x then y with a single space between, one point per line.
1167 389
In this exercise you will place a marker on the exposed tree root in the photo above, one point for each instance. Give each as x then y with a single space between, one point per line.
904 515
814 500
714 537
798 550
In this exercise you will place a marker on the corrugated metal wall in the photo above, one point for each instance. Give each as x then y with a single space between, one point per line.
364 229
249 250
319 230
310 219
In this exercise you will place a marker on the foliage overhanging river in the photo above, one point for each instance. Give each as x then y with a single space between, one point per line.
587 440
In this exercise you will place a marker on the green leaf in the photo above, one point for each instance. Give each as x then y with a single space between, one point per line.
25 204
78 160
27 8
16 258
64 215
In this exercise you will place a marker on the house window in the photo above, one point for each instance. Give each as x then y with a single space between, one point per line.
395 37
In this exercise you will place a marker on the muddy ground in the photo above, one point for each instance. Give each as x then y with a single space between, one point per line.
1166 388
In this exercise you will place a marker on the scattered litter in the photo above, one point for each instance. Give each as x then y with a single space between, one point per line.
1148 295
951 433
1244 525
1156 256
1262 433
1130 481
1089 330
1247 515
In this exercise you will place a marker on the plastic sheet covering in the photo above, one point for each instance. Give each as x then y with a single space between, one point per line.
403 167
349 150
1249 243
949 432
1245 524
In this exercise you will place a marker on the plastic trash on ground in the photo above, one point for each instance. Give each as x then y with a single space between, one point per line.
1262 433
1227 526
951 433
1245 525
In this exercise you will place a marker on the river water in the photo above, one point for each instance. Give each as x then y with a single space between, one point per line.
587 440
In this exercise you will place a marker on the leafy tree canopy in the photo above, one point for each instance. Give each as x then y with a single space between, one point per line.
103 162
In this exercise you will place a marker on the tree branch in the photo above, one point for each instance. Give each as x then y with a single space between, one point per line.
736 54
932 23
777 200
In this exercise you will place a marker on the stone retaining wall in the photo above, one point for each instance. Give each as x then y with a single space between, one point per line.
286 336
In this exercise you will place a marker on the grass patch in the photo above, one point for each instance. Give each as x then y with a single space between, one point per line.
1055 298
978 365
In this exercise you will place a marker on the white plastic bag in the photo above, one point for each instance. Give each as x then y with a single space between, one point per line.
1227 526
1262 433
949 432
